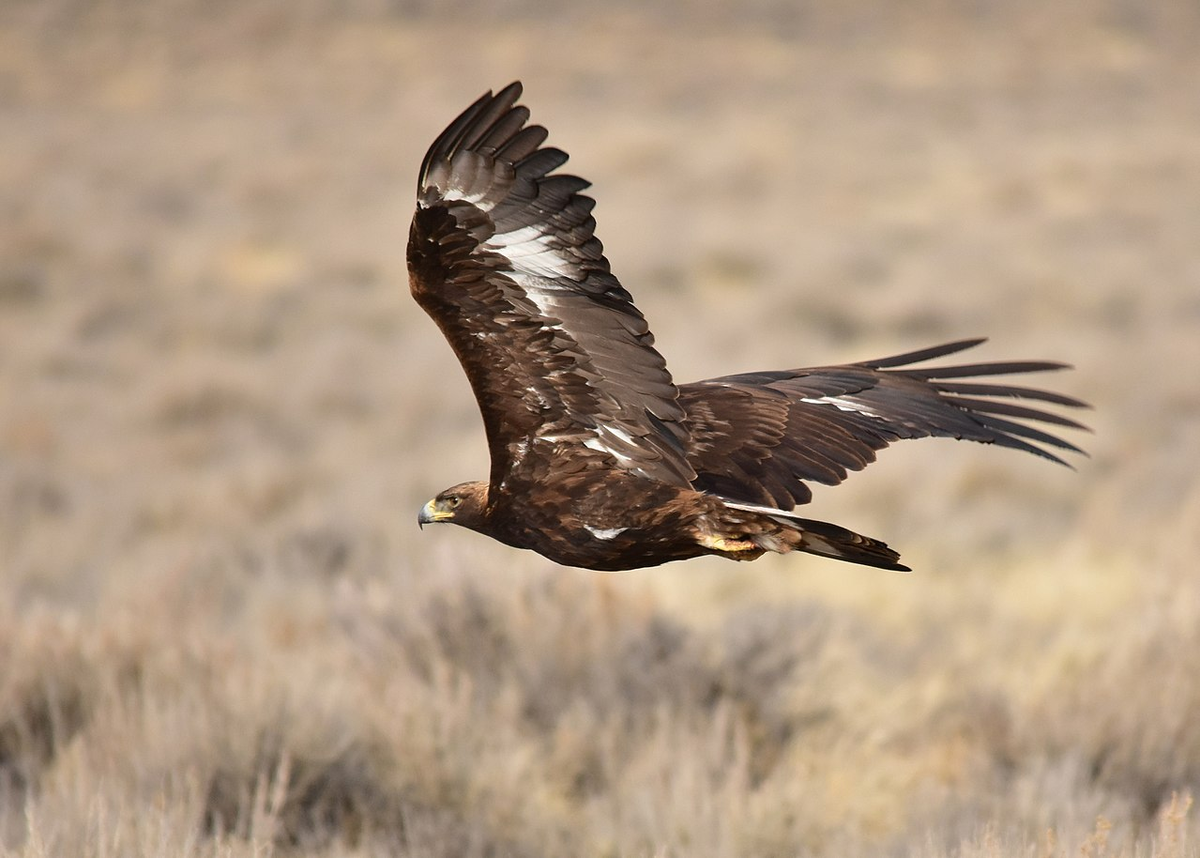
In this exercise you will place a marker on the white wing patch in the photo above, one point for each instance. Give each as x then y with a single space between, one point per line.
765 510
842 404
618 433
479 200
441 173
603 442
532 253
605 532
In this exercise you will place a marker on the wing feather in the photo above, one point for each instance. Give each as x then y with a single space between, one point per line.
838 417
503 256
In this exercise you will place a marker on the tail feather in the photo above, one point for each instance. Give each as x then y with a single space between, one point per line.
822 538
830 540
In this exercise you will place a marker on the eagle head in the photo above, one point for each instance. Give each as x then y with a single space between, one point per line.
463 505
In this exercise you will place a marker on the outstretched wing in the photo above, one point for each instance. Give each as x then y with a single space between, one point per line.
756 437
502 255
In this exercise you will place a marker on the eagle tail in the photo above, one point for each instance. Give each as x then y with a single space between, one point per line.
830 540
820 538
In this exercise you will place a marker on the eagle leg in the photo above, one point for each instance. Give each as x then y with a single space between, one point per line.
734 549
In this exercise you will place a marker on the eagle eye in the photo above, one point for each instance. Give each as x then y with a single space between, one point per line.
455 501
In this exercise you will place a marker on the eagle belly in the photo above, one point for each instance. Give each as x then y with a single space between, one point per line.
612 520
608 520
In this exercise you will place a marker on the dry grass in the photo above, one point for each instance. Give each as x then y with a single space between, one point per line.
220 632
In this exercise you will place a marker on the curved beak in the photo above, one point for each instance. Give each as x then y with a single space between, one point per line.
425 516
430 514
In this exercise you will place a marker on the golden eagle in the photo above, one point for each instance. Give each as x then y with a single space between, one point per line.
598 459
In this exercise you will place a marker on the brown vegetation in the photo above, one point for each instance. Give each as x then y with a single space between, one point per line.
220 630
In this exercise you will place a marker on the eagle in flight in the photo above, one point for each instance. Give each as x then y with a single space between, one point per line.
598 458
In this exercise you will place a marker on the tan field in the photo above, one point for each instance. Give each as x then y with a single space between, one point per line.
221 632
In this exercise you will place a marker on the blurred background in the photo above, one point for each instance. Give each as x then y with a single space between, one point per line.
220 411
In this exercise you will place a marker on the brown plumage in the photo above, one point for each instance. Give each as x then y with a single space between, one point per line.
597 458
